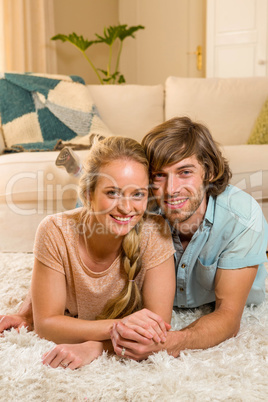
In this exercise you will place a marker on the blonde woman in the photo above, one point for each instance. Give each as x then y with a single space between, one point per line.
97 264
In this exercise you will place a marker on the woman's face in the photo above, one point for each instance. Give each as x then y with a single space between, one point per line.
120 197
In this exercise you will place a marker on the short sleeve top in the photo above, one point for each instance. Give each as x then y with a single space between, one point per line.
56 246
233 235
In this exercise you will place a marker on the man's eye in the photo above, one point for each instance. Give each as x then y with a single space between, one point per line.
158 176
185 173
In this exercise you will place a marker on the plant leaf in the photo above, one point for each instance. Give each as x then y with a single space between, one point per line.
109 35
125 32
78 41
105 73
121 79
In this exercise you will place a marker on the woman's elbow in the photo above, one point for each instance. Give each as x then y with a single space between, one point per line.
42 328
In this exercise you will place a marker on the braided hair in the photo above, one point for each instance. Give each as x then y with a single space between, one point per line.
102 152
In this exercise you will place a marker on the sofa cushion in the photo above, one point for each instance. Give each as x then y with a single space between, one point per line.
259 134
249 165
129 110
228 106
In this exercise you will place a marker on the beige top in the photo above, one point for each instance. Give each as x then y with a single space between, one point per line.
56 246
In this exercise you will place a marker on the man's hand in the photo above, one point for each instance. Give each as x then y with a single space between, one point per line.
16 321
139 335
147 325
135 346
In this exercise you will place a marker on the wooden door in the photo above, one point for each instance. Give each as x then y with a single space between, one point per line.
236 38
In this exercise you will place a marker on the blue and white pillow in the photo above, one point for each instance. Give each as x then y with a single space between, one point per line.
39 111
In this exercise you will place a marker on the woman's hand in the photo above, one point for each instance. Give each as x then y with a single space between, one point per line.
125 344
24 317
147 324
73 356
16 321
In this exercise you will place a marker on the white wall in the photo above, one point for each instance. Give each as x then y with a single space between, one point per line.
2 52
84 17
172 29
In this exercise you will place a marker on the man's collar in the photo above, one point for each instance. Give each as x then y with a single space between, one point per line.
210 212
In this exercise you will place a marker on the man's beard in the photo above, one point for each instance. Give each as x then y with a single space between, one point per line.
179 216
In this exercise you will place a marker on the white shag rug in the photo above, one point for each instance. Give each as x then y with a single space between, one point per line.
236 370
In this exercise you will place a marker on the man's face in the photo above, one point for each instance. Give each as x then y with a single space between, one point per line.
180 192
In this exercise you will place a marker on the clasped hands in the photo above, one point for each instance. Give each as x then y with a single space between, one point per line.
139 334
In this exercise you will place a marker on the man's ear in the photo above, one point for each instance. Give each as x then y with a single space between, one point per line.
211 177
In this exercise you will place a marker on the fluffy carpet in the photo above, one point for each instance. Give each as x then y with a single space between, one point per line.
236 370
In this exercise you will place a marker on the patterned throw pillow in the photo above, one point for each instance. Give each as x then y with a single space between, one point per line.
40 111
259 134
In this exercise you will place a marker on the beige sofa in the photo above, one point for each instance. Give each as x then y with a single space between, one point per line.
31 186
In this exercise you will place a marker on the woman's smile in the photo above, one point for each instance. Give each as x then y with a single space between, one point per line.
120 197
122 219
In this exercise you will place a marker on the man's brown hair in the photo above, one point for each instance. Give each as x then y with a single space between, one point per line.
180 138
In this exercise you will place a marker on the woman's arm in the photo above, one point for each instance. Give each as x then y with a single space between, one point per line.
49 301
159 289
158 296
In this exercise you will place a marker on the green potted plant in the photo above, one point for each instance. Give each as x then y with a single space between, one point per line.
110 36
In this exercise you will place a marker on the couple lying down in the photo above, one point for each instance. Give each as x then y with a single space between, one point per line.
106 275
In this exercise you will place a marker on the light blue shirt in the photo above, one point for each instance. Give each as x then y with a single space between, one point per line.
233 234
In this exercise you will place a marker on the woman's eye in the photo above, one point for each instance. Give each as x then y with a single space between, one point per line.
113 193
139 195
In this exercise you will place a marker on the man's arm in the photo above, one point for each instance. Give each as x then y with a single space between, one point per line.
231 290
24 317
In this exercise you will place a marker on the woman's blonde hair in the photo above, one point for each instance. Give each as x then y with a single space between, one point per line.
180 138
103 152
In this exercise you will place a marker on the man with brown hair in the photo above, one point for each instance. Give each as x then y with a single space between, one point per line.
219 233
